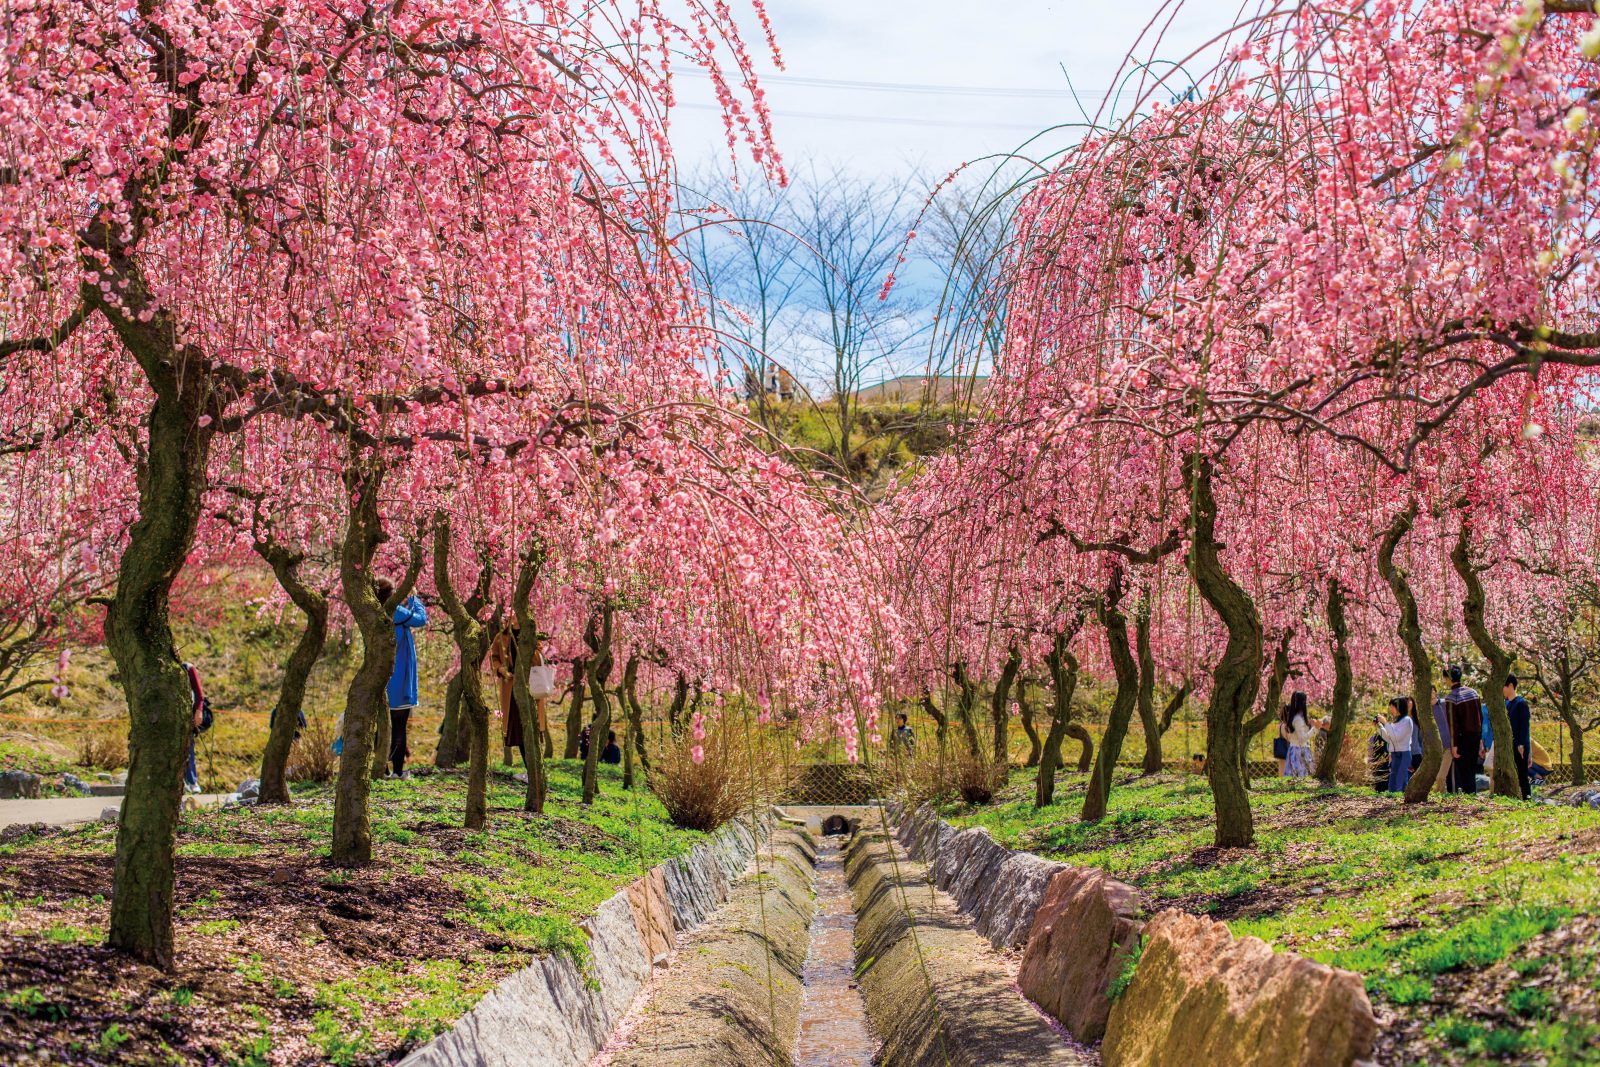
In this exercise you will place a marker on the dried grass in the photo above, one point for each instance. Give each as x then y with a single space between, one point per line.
104 748
725 783
312 759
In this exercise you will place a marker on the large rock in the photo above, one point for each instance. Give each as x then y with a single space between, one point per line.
1085 928
972 877
1202 996
18 785
1008 910
652 914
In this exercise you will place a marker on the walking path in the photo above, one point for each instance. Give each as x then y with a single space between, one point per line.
65 811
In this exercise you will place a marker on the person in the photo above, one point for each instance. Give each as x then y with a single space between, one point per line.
1379 759
503 657
202 722
1441 722
612 753
403 679
1538 764
583 743
1464 708
1397 734
903 740
1296 724
1520 714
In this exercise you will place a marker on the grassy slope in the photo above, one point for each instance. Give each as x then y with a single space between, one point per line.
283 959
1476 922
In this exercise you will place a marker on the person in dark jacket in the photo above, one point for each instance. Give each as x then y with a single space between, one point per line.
1518 712
1465 709
612 753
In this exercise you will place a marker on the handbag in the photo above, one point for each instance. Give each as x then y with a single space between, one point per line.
542 681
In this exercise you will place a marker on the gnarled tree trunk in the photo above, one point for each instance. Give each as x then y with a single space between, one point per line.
448 753
580 681
999 704
1025 712
527 651
966 700
598 637
1236 676
367 697
940 719
1115 623
1147 691
1473 614
472 642
1343 685
313 604
1063 667
1409 628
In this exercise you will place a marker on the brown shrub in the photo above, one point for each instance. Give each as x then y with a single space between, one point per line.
1354 767
312 759
105 748
725 783
930 774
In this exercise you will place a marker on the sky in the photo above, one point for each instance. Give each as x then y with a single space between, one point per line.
886 86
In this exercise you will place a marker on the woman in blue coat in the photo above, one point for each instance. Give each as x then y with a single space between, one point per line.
403 679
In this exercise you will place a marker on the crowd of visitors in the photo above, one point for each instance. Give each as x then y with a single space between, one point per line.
1395 747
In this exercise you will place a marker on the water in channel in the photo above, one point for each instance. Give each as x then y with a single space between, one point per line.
833 1017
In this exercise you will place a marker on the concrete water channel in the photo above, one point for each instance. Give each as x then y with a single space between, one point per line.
833 1016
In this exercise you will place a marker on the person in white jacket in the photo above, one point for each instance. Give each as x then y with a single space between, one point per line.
1299 731
1398 733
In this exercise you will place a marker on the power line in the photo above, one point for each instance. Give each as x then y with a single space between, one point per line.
914 87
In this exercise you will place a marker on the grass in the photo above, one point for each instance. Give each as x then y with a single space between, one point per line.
1440 906
514 890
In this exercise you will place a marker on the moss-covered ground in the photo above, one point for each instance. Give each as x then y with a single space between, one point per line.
1474 921
285 959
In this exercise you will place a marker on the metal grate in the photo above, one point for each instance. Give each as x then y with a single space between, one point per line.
829 784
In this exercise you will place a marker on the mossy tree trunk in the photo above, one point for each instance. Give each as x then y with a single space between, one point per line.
1409 628
966 701
472 644
680 700
1063 667
941 721
448 753
1272 701
580 682
1115 625
628 697
367 697
1000 704
1236 676
1473 613
171 479
597 635
1025 713
1147 690
313 604
527 652
1343 684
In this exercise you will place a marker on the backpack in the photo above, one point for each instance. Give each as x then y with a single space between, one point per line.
201 703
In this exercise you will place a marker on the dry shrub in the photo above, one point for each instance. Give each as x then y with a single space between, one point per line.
1354 766
928 775
313 758
104 748
704 795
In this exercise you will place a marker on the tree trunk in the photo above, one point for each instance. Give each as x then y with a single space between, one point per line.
448 753
367 698
1063 666
527 651
1409 628
1237 674
966 700
472 645
1473 614
380 743
940 719
1025 712
1115 624
999 705
171 481
575 709
1147 692
1575 733
628 697
313 604
1080 733
1343 685
599 673
1271 706
680 700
